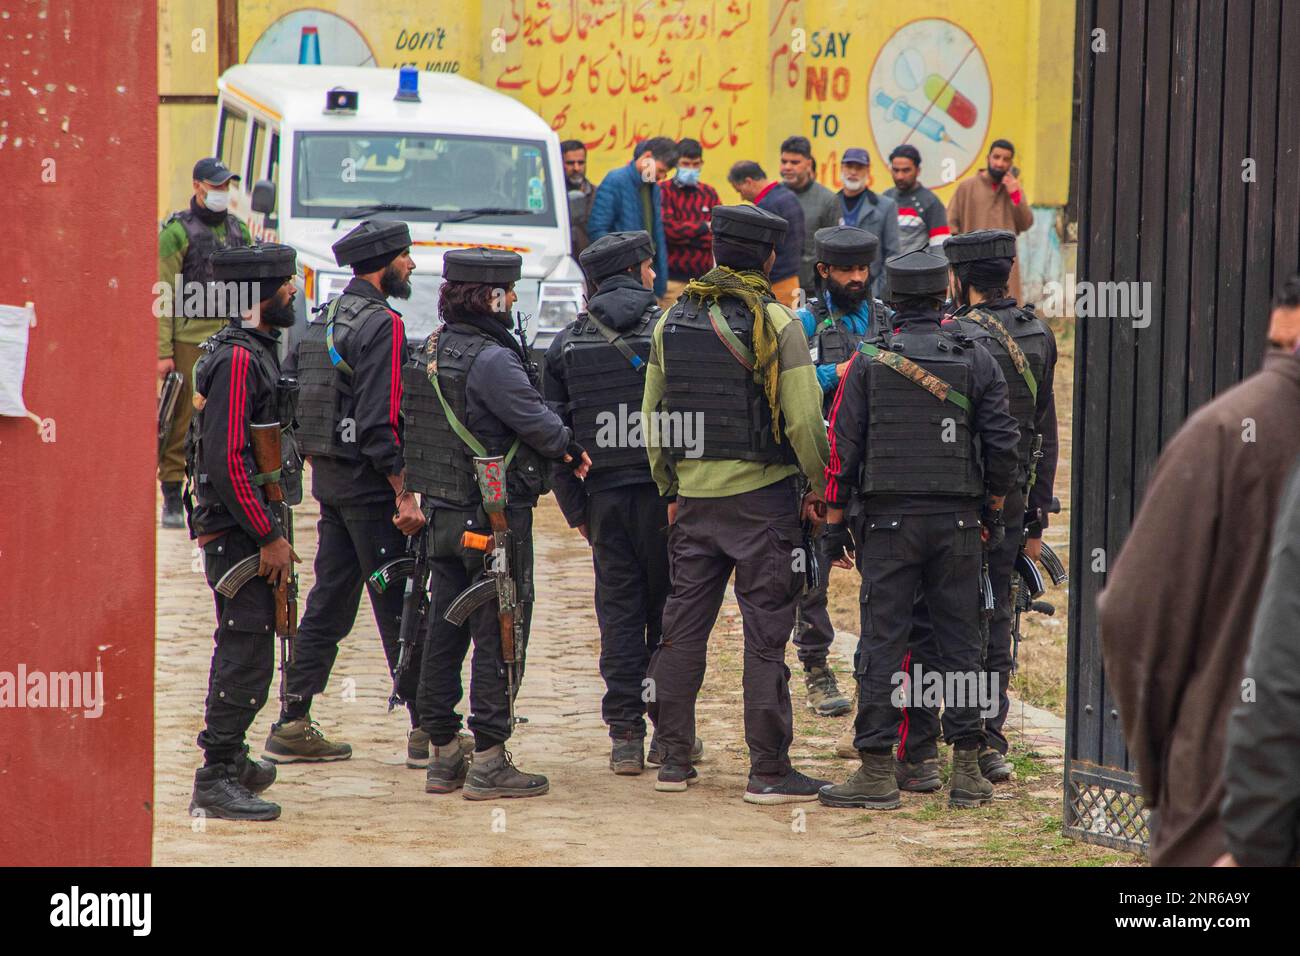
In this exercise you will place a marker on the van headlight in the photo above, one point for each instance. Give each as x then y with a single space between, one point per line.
330 284
558 304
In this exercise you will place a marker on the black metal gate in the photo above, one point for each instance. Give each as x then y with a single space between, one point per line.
1186 176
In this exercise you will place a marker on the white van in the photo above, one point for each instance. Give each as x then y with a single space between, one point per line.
323 147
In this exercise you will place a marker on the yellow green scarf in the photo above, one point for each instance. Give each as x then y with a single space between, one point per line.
752 288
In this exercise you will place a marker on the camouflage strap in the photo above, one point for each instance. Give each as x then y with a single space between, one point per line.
999 331
335 357
267 477
737 348
915 373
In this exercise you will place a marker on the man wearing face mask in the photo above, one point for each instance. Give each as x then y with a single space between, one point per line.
187 241
239 389
861 207
582 192
686 206
993 199
349 370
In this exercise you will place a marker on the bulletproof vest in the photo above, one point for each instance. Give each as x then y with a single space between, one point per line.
833 341
327 402
206 501
605 387
197 264
1031 336
438 461
906 451
708 388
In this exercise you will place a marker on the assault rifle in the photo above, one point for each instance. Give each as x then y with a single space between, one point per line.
167 399
500 583
266 456
1027 584
414 566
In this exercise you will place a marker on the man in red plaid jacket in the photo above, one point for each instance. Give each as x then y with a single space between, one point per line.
686 203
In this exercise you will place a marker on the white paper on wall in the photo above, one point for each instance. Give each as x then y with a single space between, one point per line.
15 320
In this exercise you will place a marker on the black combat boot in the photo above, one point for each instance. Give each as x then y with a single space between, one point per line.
967 786
218 793
256 775
873 786
492 774
995 766
172 514
626 756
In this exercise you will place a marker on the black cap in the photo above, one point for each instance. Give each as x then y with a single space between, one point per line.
916 273
845 246
491 266
213 171
980 244
747 224
372 239
615 252
270 260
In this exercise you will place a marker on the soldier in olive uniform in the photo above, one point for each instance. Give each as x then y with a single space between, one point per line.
239 389
732 414
921 432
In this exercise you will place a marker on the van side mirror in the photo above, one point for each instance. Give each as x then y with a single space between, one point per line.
264 196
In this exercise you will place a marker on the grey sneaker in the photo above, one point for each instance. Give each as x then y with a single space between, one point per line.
626 757
218 793
794 787
824 697
967 786
919 777
447 769
300 741
492 775
995 766
674 779
652 755
872 786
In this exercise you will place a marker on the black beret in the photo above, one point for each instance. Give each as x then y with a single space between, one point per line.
845 246
615 252
492 266
372 239
916 273
269 260
980 244
747 224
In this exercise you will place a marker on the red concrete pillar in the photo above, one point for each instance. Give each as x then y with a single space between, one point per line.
78 175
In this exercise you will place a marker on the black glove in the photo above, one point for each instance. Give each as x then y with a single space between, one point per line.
996 531
574 451
838 541
1033 523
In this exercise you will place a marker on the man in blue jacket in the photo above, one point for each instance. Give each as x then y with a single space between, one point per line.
628 199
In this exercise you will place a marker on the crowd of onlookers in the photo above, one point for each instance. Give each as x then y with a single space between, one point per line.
662 191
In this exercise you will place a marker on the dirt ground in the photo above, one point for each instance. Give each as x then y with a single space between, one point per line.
371 810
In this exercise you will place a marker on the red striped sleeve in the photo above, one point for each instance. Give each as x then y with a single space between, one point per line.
940 231
395 387
236 438
833 466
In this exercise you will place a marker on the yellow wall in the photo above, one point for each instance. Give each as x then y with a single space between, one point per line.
739 75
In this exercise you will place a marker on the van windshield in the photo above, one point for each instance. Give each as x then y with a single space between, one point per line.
444 177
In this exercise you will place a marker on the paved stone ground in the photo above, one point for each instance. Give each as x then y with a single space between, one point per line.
371 810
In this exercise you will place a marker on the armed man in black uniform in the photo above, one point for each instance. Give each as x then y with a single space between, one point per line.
481 413
921 432
594 378
349 365
1025 350
239 393
841 315
733 417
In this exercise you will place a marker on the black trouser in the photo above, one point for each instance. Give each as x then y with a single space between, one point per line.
353 540
755 533
813 638
453 569
919 730
940 554
243 660
628 530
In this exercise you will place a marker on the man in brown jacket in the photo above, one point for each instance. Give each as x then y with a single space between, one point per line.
993 199
1177 610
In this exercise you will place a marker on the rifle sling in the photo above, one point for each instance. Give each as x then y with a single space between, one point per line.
463 433
916 374
616 340
999 331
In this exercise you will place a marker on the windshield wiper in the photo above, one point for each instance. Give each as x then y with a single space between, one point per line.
467 214
356 212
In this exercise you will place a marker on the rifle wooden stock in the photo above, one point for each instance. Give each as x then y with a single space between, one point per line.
266 457
497 519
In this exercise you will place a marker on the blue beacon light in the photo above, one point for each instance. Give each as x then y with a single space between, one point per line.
408 85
